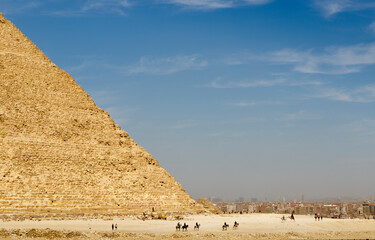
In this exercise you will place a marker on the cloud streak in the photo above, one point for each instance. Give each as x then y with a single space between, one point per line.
364 94
169 65
66 8
18 7
146 65
372 27
334 60
254 104
332 7
222 84
214 4
219 83
114 6
298 116
119 7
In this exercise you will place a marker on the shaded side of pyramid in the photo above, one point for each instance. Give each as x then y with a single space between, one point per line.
60 153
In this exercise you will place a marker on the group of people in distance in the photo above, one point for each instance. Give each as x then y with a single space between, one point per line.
318 217
197 226
185 226
114 226
291 217
235 226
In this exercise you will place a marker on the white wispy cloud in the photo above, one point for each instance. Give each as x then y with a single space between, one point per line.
73 9
334 60
305 83
169 65
372 27
298 116
363 94
109 6
99 4
18 7
254 103
332 7
220 83
215 4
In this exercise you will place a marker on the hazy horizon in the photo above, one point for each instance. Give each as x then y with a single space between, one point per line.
251 98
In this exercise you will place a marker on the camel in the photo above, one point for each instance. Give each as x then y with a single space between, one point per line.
196 227
178 227
185 227
225 226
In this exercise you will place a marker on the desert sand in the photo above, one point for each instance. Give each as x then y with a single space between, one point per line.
252 226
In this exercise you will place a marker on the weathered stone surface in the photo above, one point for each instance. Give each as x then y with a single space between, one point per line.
60 153
209 206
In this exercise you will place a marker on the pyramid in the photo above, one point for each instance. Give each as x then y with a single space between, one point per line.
60 153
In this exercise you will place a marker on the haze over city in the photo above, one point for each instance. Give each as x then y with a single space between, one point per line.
251 98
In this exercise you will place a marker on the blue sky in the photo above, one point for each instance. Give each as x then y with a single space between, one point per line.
252 98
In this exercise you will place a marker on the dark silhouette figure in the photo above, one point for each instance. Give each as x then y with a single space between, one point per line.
196 227
225 226
292 216
185 227
113 226
178 226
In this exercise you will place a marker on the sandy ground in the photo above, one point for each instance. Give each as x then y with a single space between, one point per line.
252 226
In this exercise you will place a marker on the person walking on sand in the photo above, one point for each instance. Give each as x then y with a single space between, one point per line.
113 226
116 226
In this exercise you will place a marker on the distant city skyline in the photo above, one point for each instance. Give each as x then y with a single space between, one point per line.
252 98
286 199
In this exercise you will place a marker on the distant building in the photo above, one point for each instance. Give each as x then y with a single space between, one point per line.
268 209
302 210
372 209
366 209
252 209
231 208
